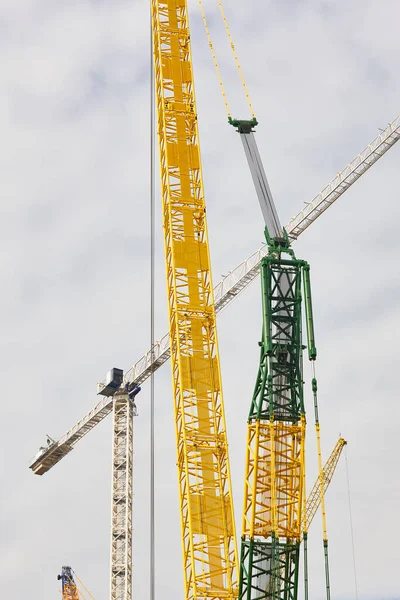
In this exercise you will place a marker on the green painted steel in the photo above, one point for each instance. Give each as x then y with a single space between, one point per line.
243 125
269 568
278 392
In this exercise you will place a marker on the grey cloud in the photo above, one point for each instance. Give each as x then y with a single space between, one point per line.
75 269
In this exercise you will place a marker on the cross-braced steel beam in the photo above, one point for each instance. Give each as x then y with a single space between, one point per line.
121 503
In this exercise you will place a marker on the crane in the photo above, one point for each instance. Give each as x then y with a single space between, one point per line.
225 292
274 488
205 494
314 497
69 589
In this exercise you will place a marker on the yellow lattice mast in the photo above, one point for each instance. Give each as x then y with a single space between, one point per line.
207 521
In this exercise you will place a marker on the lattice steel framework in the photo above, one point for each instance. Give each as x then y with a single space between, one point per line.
275 453
314 497
69 589
226 291
207 521
121 504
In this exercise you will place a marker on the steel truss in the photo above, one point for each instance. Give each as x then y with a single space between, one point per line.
275 452
269 569
226 291
121 504
206 508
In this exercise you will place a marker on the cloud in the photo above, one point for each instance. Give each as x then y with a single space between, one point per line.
74 110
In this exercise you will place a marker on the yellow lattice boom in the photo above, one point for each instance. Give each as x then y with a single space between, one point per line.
70 591
314 498
273 491
207 520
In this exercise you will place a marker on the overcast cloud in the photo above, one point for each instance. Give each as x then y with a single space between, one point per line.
74 112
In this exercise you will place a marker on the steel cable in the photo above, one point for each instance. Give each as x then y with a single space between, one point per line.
152 283
351 524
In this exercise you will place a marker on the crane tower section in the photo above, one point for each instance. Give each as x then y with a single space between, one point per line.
69 588
206 509
275 452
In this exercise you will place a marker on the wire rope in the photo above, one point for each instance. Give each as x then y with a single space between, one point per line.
221 85
351 524
152 295
235 56
321 489
84 587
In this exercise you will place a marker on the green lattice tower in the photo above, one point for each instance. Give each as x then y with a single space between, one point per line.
274 488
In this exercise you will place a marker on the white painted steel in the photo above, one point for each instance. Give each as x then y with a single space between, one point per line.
121 501
261 184
343 180
226 290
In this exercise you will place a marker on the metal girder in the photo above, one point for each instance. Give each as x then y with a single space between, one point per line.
205 494
268 570
228 288
261 184
121 500
314 498
343 180
275 448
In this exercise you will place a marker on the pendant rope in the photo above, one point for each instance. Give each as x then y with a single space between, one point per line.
351 524
152 294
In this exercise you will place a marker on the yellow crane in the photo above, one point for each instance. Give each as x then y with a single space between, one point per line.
69 587
209 546
206 508
314 497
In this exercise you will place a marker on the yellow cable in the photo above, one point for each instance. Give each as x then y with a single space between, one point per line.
86 590
236 59
203 16
321 482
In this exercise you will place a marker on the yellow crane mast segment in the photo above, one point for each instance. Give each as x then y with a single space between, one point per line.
206 508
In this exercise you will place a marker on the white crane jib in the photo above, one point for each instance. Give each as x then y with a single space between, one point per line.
226 290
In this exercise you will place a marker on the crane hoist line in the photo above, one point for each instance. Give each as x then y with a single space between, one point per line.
206 507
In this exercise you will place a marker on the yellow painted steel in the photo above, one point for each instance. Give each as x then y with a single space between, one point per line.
314 497
84 587
274 482
235 56
214 57
70 591
206 509
321 482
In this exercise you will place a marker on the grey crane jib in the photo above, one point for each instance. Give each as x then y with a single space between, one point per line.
273 226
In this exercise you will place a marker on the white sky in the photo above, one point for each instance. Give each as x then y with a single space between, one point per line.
74 111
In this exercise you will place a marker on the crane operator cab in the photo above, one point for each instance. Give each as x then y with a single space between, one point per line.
114 383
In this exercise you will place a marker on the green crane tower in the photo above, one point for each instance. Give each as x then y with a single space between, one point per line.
274 488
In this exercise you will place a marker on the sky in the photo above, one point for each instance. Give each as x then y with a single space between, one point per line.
74 112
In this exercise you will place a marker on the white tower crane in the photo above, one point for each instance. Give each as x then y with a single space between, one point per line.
118 400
